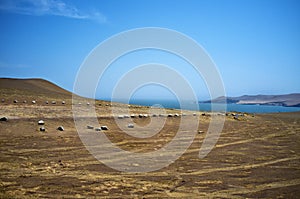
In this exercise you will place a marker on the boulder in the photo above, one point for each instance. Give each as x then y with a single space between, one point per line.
90 127
60 128
4 119
104 128
130 126
41 122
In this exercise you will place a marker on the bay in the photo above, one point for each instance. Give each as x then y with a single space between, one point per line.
217 107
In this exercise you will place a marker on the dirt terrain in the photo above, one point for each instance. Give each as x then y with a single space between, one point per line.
255 156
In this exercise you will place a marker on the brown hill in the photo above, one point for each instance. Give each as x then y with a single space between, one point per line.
31 89
32 85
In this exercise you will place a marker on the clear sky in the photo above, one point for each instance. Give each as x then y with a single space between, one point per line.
254 43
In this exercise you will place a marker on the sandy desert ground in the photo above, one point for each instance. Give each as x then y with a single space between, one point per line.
255 157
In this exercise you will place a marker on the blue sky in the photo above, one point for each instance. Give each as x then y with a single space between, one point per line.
255 44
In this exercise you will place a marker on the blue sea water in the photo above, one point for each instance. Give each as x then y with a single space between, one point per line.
217 107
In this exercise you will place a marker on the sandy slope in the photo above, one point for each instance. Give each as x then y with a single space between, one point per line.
254 157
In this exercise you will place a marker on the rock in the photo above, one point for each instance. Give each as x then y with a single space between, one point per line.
33 102
24 101
132 115
176 115
98 129
41 122
60 128
2 100
47 102
120 116
63 102
15 101
130 126
42 129
194 114
200 132
126 116
140 115
154 115
88 103
4 119
203 114
90 127
53 102
104 128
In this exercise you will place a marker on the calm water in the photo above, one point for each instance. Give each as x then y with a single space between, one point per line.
218 107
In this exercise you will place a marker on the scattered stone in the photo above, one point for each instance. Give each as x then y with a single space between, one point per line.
90 127
132 115
176 115
24 101
203 114
104 128
130 125
63 102
60 128
2 100
98 129
200 132
170 115
4 119
33 102
194 114
15 101
145 115
47 102
140 115
120 116
41 122
126 116
53 102
42 129
88 103
154 115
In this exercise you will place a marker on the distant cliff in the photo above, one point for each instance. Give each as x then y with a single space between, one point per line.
275 100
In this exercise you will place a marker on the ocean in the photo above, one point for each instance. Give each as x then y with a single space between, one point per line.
218 107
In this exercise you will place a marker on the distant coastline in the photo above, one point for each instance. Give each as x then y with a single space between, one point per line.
288 100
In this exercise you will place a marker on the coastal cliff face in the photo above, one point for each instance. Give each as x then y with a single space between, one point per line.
275 100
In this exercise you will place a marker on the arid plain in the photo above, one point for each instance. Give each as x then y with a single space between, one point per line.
255 156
